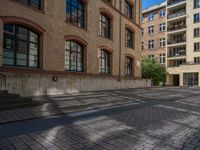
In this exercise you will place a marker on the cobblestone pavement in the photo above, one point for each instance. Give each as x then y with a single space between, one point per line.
149 119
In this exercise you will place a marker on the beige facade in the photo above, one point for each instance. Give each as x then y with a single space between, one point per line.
158 14
50 23
182 55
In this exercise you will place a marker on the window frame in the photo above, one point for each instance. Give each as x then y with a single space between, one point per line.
30 4
105 62
75 51
129 66
129 37
196 4
80 21
128 10
151 44
105 26
27 41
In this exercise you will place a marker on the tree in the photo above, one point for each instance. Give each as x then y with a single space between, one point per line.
152 69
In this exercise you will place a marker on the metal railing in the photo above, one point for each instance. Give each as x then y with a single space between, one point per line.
2 81
176 27
174 2
176 41
178 14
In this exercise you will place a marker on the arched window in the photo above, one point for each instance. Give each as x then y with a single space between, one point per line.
75 12
105 62
129 38
33 3
74 56
105 26
20 46
128 71
128 10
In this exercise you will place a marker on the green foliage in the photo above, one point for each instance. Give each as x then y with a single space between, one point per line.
152 69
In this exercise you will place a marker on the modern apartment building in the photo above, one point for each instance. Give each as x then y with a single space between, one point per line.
154 32
183 42
50 47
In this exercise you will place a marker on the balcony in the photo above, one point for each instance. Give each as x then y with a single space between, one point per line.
176 41
176 53
174 2
175 27
178 14
176 62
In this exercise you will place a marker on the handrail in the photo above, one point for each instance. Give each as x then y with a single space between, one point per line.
2 81
2 74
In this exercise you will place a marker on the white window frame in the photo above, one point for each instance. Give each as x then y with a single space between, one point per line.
162 27
162 42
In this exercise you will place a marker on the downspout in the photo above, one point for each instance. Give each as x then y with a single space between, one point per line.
120 39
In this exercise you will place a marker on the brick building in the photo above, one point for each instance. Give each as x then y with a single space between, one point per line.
154 32
75 45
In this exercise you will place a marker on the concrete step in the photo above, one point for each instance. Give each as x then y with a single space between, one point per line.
3 92
8 96
15 100
18 106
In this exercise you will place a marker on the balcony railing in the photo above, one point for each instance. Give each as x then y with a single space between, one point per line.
176 27
174 2
177 54
177 15
176 41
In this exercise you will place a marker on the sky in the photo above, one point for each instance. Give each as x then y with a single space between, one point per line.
148 3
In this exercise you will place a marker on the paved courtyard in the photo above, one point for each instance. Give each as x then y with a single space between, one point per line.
144 119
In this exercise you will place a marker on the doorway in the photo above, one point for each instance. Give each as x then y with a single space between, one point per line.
176 80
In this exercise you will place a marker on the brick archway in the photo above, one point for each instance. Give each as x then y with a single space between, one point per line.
23 21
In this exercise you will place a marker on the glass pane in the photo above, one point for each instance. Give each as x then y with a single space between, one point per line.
9 28
33 37
22 46
7 61
8 42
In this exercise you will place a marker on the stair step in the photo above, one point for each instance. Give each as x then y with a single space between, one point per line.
8 96
3 92
15 100
17 106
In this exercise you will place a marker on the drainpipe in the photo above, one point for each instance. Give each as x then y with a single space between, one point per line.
120 39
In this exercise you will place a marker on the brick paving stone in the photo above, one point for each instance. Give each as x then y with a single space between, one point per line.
148 125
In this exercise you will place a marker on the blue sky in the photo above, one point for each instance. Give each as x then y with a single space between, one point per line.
148 3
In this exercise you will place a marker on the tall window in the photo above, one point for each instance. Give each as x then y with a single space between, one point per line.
128 70
162 27
197 32
75 12
151 29
197 18
20 46
105 27
162 42
196 3
162 13
128 10
74 56
197 60
162 58
105 62
142 46
129 38
33 3
151 44
151 17
197 46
